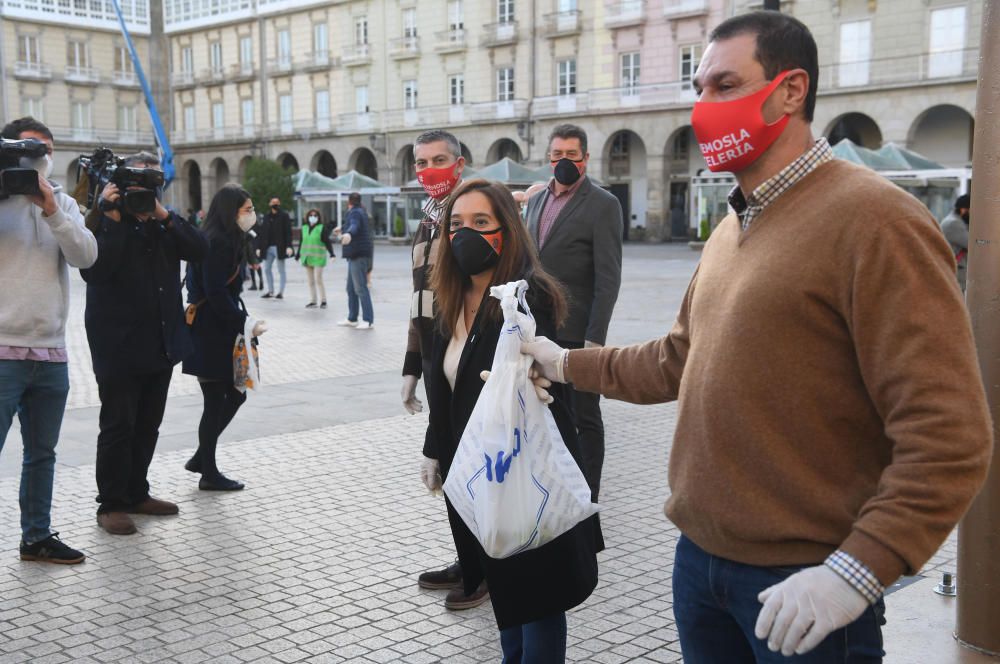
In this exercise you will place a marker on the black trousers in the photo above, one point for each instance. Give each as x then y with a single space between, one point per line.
586 411
131 412
222 400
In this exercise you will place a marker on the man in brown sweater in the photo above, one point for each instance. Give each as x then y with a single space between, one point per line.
832 425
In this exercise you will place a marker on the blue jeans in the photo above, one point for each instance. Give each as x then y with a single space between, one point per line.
357 289
37 392
539 642
716 608
270 256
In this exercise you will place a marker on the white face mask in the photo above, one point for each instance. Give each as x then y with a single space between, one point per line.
246 221
313 219
43 165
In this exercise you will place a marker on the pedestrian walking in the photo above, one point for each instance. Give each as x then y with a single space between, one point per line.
578 230
358 249
955 227
275 245
488 245
251 258
832 426
314 246
40 236
136 331
437 157
219 316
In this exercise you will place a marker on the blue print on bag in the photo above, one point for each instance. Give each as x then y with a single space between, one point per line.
502 465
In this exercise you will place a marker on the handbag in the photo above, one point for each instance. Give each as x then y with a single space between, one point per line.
192 309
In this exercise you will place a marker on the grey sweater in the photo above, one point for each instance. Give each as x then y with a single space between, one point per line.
34 276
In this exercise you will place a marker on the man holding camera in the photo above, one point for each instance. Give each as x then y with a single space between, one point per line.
137 333
275 244
40 234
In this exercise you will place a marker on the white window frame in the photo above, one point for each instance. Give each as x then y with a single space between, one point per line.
629 65
187 60
321 39
246 53
247 113
410 94
946 51
218 119
284 45
361 31
123 60
82 119
505 11
190 122
409 23
567 6
855 50
456 15
286 113
80 54
456 90
215 57
128 119
361 99
321 103
27 49
33 107
688 59
505 84
566 83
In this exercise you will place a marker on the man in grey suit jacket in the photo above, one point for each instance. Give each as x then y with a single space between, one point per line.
578 230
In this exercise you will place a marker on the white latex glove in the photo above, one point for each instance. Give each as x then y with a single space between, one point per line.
540 383
592 344
259 328
345 238
805 608
430 475
549 358
411 403
289 252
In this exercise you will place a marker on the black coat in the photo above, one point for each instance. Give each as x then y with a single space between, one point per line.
275 230
134 317
537 583
221 316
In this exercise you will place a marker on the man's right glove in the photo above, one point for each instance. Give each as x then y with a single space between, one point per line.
430 474
411 403
549 358
805 608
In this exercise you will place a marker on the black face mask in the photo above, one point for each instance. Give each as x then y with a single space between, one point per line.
566 172
474 250
275 207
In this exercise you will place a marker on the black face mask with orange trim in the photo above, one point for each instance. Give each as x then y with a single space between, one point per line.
476 251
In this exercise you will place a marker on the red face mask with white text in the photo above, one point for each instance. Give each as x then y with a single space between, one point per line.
733 134
438 182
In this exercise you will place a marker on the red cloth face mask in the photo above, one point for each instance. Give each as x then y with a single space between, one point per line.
733 134
438 182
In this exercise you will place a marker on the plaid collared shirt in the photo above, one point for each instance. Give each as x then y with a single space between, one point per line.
748 209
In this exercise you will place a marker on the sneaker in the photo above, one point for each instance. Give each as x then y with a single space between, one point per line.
51 550
444 579
267 295
364 325
348 323
457 600
311 305
116 523
279 296
154 507
254 287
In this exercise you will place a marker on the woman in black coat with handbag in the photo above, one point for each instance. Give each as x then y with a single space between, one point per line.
488 245
219 316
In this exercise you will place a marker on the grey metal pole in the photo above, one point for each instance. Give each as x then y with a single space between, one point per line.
979 533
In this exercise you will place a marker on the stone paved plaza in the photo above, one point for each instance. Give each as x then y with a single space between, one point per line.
316 561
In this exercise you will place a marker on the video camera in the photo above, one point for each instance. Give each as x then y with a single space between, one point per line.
104 167
15 178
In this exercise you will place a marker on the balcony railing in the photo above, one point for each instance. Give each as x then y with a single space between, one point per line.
212 76
35 70
242 71
280 65
124 79
450 41
103 136
182 79
404 47
638 97
674 9
559 24
318 60
497 110
84 75
625 13
357 54
900 71
499 34
353 123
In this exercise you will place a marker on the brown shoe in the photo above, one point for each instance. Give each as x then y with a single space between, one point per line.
457 600
154 506
116 523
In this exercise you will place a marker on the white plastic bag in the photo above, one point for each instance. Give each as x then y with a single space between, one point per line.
513 481
246 367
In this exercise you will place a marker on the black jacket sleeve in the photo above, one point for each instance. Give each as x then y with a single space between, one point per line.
191 243
112 236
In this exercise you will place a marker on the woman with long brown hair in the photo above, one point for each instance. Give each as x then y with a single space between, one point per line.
488 245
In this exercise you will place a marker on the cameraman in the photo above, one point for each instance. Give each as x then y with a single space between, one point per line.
136 329
39 236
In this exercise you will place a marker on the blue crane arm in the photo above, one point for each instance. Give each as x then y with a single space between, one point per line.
166 153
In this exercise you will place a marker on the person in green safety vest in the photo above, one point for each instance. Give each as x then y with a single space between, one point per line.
313 249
